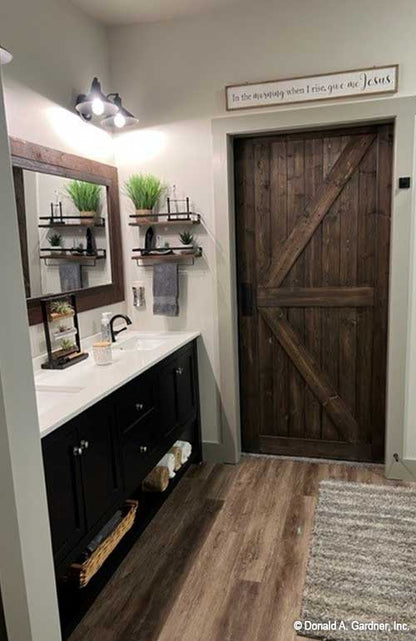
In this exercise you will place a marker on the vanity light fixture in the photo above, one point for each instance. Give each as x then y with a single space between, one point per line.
5 56
123 118
104 110
95 103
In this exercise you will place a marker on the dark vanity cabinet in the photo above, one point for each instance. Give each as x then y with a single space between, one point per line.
83 479
64 489
98 459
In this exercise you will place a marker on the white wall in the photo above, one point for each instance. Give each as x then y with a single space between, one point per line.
57 51
26 565
172 75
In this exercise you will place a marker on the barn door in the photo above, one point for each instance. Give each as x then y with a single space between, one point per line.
313 228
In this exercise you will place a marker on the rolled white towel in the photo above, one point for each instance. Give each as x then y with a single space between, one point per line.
168 461
186 448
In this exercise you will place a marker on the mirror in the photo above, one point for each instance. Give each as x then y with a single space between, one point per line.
64 245
69 227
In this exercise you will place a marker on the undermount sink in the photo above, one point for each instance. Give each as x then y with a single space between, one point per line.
49 396
139 343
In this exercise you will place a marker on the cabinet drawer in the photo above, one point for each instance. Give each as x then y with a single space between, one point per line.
135 402
141 441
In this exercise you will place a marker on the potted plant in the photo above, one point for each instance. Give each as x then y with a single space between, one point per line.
60 309
55 241
78 250
187 241
86 198
66 346
144 190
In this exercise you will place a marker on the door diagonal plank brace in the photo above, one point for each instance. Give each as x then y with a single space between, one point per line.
314 377
316 210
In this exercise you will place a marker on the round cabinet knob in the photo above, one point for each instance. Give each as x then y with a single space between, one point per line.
139 407
179 371
143 449
77 451
84 445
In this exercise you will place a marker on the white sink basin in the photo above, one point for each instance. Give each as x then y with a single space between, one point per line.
50 396
139 343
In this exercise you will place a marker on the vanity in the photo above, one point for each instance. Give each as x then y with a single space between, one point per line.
103 430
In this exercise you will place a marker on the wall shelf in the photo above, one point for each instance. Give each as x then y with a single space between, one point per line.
68 255
165 220
144 260
62 224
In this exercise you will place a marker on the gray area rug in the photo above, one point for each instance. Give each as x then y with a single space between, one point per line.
361 578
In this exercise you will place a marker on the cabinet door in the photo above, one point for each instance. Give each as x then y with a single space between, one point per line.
185 386
99 460
64 491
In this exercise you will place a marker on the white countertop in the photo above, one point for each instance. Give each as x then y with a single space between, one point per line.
63 394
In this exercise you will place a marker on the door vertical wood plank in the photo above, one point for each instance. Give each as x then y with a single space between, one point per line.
263 226
348 277
265 410
384 188
246 266
313 277
279 235
296 278
366 248
262 208
330 276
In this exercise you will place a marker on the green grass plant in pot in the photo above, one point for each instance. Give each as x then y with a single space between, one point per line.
86 198
145 191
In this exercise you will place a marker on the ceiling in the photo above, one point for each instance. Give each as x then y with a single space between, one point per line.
130 11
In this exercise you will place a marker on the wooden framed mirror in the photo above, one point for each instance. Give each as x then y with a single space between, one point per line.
69 225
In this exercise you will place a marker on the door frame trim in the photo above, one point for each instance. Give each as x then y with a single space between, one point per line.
401 360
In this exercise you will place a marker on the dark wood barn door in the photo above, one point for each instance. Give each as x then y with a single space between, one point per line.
313 231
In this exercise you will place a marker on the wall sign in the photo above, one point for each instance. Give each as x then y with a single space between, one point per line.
343 84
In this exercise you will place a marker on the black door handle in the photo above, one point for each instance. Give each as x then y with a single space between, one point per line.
246 299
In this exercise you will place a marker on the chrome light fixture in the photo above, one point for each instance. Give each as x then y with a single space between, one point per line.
123 117
5 56
104 110
95 103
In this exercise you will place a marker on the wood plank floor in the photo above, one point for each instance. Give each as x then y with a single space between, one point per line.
225 558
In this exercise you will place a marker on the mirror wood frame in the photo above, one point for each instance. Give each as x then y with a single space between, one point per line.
33 157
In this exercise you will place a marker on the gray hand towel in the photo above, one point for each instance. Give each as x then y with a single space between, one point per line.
70 275
165 289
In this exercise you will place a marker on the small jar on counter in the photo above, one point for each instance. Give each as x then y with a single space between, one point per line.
102 352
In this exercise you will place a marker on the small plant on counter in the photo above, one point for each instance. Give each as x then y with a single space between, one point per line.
187 240
145 191
86 198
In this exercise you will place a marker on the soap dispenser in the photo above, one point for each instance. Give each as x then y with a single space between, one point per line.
105 327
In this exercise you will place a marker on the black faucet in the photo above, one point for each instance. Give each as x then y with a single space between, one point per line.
116 332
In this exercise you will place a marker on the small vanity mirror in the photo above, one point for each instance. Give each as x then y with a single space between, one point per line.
69 227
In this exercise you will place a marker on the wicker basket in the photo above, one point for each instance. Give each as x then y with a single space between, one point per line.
82 573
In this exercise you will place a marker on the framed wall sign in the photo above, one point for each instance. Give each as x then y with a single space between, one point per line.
341 84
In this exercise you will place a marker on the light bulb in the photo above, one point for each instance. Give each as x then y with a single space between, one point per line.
97 106
119 120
